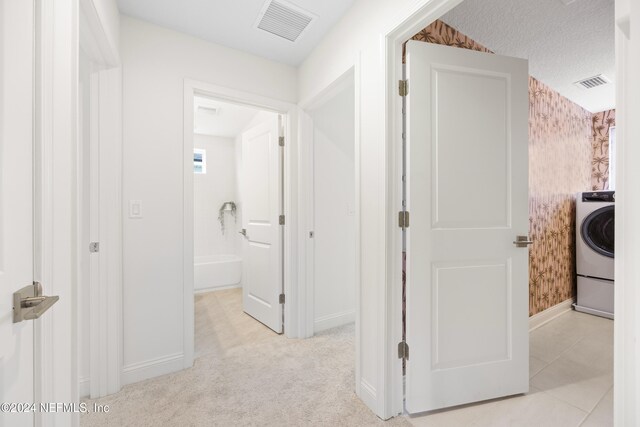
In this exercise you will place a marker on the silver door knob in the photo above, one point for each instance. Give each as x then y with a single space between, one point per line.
522 241
243 232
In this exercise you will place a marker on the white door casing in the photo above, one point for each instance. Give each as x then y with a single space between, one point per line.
261 209
16 205
467 193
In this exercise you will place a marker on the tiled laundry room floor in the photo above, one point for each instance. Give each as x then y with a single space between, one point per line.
571 370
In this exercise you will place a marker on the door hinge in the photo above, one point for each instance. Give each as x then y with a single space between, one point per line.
94 247
403 350
281 141
281 219
403 87
281 299
403 219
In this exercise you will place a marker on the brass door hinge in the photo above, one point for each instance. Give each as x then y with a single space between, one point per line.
403 350
403 219
403 87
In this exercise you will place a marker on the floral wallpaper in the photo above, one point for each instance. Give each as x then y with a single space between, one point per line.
560 158
602 123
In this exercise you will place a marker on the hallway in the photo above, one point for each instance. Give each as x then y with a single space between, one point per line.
244 374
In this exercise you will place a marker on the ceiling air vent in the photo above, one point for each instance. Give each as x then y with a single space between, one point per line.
214 111
284 19
592 82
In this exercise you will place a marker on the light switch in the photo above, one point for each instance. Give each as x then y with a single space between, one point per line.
135 208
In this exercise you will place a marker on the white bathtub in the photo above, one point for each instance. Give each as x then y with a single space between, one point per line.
215 272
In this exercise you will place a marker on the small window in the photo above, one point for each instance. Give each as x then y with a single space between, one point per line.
199 161
612 158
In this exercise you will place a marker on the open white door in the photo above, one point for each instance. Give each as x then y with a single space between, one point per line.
261 209
16 206
467 282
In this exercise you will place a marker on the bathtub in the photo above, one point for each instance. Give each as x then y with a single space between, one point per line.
216 272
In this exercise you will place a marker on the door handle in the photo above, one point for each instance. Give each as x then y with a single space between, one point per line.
30 304
243 232
522 241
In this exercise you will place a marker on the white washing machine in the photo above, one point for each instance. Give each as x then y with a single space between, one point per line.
595 221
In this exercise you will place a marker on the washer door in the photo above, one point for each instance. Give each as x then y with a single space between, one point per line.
598 230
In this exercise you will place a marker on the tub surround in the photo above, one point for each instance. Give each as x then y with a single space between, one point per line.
217 272
210 191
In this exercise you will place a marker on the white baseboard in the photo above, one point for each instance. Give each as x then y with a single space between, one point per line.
367 393
334 320
84 388
152 368
549 314
216 288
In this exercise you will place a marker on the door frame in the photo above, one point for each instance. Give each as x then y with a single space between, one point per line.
626 365
627 300
290 196
307 196
416 20
61 27
55 179
104 172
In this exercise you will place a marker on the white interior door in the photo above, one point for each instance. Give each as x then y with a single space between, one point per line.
16 205
467 283
261 208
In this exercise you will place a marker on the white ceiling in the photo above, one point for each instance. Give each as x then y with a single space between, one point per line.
564 43
228 122
232 23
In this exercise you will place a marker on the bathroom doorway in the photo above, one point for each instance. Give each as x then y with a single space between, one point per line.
237 221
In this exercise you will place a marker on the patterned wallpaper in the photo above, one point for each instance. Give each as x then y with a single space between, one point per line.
602 123
560 156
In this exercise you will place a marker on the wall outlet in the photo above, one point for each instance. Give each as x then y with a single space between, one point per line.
135 209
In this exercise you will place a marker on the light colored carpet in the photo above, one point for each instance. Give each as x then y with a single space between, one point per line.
246 375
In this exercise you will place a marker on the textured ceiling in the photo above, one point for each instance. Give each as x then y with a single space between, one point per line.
563 44
231 23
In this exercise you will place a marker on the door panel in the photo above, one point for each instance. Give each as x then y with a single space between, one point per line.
16 203
261 208
467 283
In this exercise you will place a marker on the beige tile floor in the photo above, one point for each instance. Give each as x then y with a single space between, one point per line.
571 371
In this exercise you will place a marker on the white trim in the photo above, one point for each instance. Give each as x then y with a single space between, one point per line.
56 175
94 41
334 320
306 246
549 314
289 112
84 388
626 364
216 288
357 84
367 393
415 18
105 214
152 368
306 177
109 305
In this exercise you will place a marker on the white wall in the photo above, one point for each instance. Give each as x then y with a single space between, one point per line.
85 230
100 30
334 210
155 62
358 39
210 191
